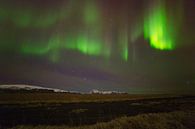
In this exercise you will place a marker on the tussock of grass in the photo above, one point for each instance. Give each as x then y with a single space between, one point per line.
173 120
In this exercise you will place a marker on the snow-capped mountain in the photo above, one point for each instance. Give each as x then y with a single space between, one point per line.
29 87
94 91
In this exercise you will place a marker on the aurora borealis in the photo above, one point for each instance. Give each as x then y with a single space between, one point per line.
90 38
160 28
98 44
157 29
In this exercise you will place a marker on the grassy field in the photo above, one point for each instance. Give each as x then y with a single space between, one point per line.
22 98
95 111
172 120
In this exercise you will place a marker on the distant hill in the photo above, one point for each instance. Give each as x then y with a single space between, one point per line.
28 88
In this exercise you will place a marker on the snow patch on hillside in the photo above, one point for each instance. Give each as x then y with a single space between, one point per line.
94 91
29 87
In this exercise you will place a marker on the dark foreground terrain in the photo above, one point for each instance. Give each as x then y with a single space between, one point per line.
87 113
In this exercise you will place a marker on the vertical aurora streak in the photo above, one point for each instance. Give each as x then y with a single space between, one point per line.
157 28
123 41
91 12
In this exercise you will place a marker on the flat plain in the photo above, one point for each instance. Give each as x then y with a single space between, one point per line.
72 110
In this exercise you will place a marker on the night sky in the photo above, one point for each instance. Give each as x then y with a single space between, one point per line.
134 46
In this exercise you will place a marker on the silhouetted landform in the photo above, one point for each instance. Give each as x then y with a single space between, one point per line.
37 89
28 88
31 106
84 113
25 91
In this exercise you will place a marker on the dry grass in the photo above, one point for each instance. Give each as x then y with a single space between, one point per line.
173 120
28 98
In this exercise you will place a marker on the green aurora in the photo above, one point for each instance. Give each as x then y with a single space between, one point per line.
87 42
89 36
160 28
135 46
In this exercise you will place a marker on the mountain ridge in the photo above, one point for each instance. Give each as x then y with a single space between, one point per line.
29 87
